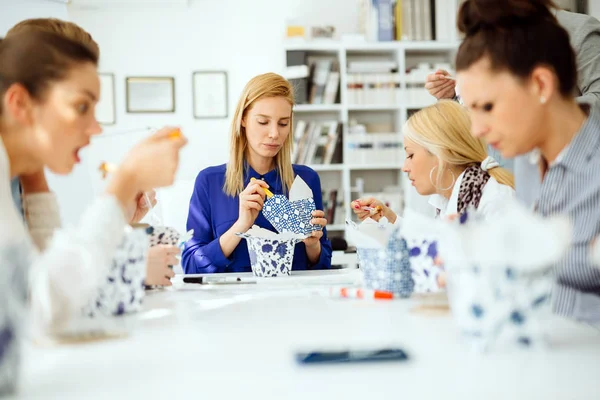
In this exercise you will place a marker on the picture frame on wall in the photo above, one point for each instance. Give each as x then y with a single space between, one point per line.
150 94
105 108
210 94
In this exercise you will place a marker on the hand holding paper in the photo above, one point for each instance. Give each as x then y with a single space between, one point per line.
372 208
296 214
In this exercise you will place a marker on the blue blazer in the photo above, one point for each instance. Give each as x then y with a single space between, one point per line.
212 213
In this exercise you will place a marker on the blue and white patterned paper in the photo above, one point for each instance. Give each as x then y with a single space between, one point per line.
15 261
290 216
422 253
123 290
500 307
270 257
387 269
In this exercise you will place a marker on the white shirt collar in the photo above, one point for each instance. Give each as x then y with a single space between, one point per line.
447 206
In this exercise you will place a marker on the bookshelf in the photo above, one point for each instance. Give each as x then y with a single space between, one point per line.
376 173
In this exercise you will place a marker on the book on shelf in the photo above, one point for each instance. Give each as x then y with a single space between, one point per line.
298 72
324 80
331 202
418 20
317 142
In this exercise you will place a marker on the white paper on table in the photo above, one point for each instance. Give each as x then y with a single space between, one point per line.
300 190
370 233
263 233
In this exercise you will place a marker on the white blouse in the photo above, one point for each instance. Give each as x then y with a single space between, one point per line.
494 194
66 266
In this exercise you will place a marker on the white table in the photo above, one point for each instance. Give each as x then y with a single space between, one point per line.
188 345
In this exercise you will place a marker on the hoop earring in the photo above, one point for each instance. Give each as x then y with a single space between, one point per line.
435 186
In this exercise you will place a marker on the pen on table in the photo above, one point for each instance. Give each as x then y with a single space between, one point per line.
267 191
205 280
357 293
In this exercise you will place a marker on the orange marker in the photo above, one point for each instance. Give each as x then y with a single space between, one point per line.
176 134
267 191
355 293
107 168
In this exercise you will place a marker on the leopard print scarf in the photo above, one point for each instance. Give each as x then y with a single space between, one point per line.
471 188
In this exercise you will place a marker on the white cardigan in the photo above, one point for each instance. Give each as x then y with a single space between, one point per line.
494 194
70 263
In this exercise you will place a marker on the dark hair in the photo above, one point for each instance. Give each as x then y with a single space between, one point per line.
65 29
518 36
35 59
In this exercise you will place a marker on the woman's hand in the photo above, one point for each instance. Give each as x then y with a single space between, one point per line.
252 200
378 209
141 206
313 242
440 85
159 259
151 163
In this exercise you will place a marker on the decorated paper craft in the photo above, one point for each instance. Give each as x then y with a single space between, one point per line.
292 215
15 260
271 254
500 274
123 290
383 256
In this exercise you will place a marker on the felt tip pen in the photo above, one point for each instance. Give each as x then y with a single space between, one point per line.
267 191
206 280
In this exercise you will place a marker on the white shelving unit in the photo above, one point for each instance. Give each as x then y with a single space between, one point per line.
407 55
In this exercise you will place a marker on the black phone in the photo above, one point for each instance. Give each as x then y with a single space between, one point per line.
329 357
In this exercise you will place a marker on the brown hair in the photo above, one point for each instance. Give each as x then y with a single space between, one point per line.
35 59
517 36
66 29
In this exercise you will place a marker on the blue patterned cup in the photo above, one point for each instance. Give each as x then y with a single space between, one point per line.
270 257
422 254
15 261
387 269
123 290
500 307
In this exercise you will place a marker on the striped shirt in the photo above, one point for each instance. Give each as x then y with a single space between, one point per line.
571 186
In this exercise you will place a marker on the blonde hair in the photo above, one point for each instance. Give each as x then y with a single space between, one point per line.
66 29
259 87
444 129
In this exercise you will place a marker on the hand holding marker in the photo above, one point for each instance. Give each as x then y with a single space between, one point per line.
108 168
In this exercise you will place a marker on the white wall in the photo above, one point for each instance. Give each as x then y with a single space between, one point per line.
11 12
594 8
175 41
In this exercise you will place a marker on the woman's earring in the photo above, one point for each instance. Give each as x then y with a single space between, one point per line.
542 100
435 186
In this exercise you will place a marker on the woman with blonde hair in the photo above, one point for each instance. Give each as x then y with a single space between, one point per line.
444 161
226 201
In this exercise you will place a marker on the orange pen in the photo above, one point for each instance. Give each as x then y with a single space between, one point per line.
267 191
357 293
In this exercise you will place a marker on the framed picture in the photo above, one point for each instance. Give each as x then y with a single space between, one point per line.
210 94
105 109
150 94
